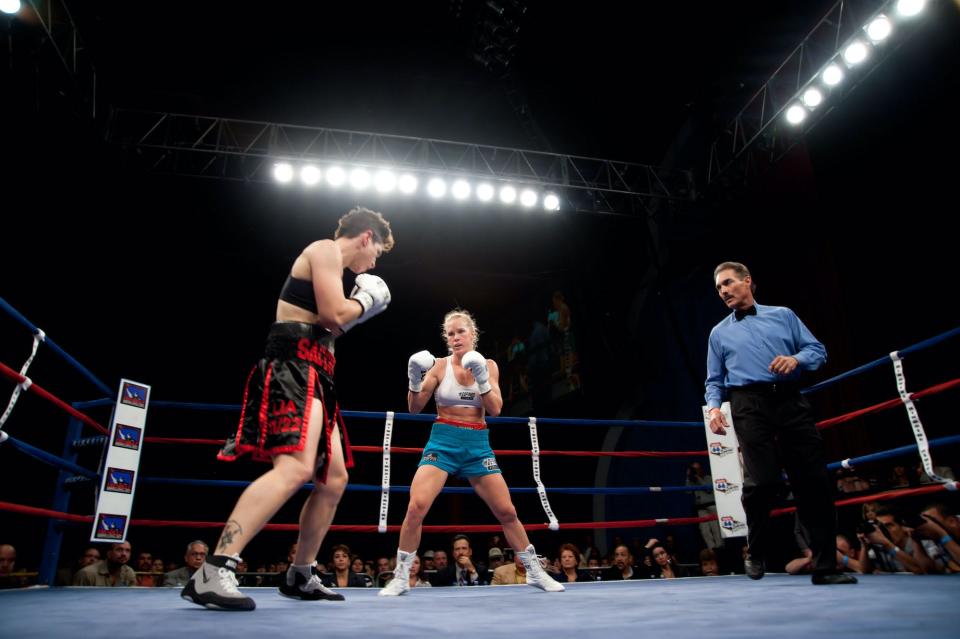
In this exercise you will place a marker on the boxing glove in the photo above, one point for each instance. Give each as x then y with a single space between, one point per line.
417 367
477 365
372 294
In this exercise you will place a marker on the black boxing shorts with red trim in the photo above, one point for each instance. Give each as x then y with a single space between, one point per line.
297 367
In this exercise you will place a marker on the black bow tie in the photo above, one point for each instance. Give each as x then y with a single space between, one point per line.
739 315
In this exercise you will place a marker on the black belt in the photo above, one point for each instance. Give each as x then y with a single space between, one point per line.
773 388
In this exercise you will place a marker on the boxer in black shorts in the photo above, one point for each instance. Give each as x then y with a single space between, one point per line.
297 367
290 415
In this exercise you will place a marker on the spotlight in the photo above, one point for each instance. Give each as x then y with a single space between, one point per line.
336 176
855 53
282 172
310 175
832 75
461 189
436 188
359 178
10 6
384 181
879 28
551 202
528 198
484 192
508 194
796 114
407 184
910 8
812 98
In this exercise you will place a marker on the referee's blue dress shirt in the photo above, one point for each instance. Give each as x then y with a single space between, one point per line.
740 351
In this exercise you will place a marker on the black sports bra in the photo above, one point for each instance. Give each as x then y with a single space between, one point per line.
299 293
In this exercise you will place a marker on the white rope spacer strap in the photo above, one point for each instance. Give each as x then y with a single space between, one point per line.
22 386
385 478
919 434
38 337
535 458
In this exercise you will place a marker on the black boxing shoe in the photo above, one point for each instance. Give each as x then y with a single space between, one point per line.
298 586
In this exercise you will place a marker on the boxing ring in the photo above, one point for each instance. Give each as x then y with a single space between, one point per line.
777 606
882 605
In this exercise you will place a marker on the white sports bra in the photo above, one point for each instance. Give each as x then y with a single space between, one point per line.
450 393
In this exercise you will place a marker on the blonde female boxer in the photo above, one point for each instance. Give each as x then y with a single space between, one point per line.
465 387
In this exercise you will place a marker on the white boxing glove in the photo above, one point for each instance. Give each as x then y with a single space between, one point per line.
372 294
417 367
477 365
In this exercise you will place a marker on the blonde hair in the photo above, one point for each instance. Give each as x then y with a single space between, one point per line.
466 317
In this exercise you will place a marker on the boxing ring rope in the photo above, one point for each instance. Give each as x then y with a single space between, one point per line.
74 442
55 348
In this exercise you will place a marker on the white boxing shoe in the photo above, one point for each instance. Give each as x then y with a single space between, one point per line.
536 575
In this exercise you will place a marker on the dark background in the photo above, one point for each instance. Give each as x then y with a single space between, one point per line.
172 280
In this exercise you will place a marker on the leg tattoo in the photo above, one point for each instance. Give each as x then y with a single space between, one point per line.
230 531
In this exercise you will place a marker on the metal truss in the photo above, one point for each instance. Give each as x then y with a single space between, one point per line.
758 136
64 38
43 37
244 150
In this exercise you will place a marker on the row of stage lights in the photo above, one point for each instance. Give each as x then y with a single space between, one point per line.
854 53
385 181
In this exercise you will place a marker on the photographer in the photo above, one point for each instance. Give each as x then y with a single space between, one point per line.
886 546
940 530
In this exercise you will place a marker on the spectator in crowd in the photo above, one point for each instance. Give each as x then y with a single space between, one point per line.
846 559
195 556
623 562
665 566
428 561
939 529
144 568
463 572
708 563
495 558
440 563
849 482
512 573
868 511
570 559
356 564
90 556
940 471
900 478
342 576
416 575
110 572
383 566
886 546
8 566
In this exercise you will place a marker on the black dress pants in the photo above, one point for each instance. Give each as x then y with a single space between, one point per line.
776 430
